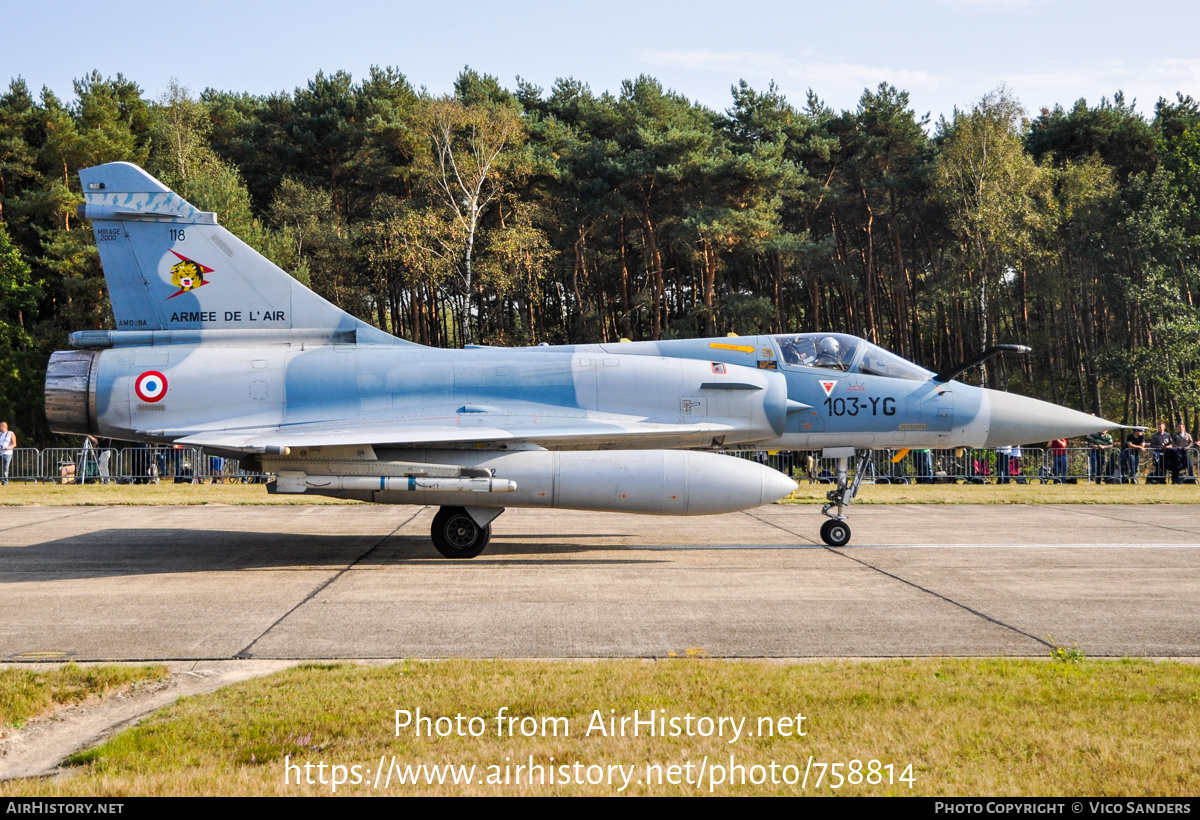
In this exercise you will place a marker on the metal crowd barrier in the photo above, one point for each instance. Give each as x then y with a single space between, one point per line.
1033 465
26 464
129 465
146 465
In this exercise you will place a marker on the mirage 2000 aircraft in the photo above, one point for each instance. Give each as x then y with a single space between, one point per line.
216 347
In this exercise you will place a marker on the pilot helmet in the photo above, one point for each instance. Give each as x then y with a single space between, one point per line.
830 345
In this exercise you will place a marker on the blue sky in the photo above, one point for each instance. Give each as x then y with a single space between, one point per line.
943 52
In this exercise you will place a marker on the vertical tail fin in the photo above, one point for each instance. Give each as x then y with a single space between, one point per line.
170 266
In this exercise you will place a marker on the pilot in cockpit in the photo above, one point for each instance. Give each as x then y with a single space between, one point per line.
830 354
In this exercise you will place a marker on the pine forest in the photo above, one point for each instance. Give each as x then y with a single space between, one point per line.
516 216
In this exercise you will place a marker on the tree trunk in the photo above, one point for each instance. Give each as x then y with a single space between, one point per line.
656 269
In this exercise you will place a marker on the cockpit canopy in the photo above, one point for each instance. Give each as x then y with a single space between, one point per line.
831 350
840 351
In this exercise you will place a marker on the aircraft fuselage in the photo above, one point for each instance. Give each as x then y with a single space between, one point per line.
725 393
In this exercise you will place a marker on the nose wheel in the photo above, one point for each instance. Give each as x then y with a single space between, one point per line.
836 532
456 534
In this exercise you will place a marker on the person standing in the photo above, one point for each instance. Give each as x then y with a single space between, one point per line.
1003 454
1160 444
177 465
1135 445
924 459
8 443
1100 444
104 459
1058 456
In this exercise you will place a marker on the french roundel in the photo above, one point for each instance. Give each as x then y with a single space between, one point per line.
151 386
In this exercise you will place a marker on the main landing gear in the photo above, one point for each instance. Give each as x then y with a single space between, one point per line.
461 533
836 532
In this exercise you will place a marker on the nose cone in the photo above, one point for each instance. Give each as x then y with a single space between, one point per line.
1022 420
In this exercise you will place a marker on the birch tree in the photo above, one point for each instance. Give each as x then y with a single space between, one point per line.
986 180
469 171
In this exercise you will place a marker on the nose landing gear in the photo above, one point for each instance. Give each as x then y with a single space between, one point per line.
836 531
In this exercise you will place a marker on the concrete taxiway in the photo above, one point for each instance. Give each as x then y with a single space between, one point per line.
215 582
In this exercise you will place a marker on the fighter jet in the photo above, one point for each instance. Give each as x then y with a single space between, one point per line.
216 347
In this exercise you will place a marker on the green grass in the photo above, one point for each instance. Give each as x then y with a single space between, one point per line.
27 693
967 727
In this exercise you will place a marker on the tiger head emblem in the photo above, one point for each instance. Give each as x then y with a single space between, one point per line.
187 275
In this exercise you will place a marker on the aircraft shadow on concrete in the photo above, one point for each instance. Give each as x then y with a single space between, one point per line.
125 552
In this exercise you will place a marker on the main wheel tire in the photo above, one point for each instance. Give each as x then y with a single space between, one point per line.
835 533
456 535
